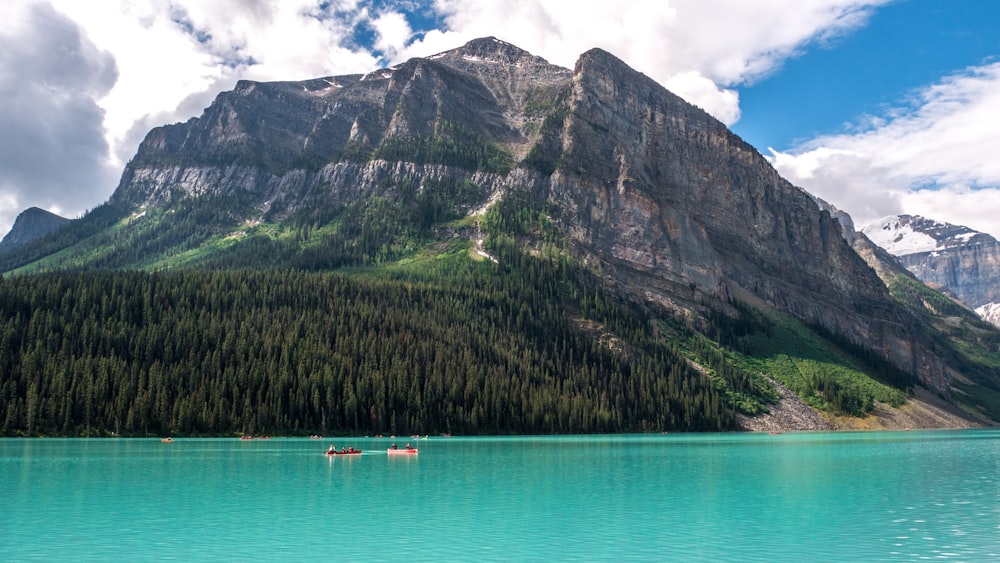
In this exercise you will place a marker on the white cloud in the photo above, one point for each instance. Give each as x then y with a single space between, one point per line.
53 153
936 157
722 103
978 209
171 50
159 63
393 33
172 58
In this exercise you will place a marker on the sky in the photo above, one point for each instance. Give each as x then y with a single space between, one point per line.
879 107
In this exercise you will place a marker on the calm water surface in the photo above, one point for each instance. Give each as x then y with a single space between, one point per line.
706 497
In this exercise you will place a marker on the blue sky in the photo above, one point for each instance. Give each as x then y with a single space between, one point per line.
903 47
878 106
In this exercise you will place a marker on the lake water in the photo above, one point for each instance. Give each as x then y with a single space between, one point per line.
691 497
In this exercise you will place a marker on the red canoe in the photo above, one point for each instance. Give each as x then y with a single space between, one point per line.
355 452
404 451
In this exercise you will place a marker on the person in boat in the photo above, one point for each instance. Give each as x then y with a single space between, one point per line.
343 449
408 446
394 447
332 449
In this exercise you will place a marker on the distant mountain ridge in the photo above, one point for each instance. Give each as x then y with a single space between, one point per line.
964 261
31 224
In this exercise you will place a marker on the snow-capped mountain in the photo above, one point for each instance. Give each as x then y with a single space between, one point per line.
902 235
964 261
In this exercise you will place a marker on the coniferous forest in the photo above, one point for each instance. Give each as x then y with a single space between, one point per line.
293 352
333 333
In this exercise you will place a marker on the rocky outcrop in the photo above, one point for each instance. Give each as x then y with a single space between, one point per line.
31 224
791 413
922 411
290 139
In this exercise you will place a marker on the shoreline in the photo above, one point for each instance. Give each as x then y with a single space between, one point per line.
922 411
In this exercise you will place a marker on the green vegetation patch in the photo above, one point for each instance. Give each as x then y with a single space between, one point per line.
741 383
916 293
974 344
826 376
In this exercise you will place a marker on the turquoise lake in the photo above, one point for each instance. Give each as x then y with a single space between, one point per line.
887 496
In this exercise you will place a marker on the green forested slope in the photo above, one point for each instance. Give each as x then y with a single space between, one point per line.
360 320
290 352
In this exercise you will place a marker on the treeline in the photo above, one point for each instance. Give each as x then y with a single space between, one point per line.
463 349
827 370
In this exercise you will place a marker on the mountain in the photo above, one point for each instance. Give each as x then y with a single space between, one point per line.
624 215
31 224
962 261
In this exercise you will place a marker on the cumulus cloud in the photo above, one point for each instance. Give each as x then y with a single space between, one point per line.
393 33
177 54
936 157
53 153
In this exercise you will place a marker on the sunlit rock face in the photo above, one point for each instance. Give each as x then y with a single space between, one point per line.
662 198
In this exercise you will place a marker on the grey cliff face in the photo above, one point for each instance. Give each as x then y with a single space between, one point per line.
660 188
250 139
972 271
31 224
679 209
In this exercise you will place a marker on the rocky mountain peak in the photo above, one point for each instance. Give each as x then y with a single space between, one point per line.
599 58
963 261
514 77
490 52
487 50
990 313
842 217
31 224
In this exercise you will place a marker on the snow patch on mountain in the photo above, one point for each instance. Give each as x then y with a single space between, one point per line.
896 235
904 235
990 312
